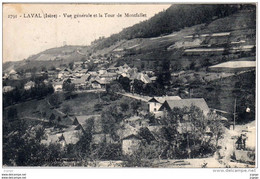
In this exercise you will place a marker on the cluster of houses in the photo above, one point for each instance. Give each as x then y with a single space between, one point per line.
129 132
160 107
84 79
81 77
13 75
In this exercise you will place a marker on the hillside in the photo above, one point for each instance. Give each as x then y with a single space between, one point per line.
50 58
217 41
225 27
175 18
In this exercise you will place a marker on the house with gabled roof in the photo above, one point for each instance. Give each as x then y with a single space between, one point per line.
139 76
5 76
13 75
99 83
144 78
67 70
60 75
28 75
125 67
156 102
120 70
81 83
7 89
93 74
109 76
29 85
52 74
112 69
84 71
57 86
102 71
169 105
78 64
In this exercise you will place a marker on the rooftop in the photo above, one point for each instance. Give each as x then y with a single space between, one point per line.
235 64
162 99
181 103
132 136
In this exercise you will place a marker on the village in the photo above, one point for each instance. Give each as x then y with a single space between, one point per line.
158 107
181 99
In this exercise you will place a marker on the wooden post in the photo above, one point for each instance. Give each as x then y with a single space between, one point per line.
235 114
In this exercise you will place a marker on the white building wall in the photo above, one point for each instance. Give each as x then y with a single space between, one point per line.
57 88
154 107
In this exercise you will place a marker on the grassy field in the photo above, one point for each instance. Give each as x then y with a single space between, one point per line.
94 103
83 103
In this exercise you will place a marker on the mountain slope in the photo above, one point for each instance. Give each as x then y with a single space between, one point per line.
175 18
236 20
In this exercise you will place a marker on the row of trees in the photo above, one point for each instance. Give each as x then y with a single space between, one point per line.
137 86
18 95
22 143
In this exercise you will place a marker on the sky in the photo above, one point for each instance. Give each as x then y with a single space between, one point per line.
23 36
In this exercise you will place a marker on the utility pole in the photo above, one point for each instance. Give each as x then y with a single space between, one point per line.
99 97
235 113
191 92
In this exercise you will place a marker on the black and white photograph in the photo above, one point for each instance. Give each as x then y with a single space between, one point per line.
166 85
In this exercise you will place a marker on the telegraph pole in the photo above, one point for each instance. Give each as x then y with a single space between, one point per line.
235 113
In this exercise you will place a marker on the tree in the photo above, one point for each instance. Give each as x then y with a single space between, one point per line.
146 134
138 86
108 123
52 118
142 65
216 127
71 65
43 69
25 149
164 75
68 86
206 63
135 105
91 66
55 99
12 114
59 119
151 118
185 128
176 66
125 82
124 107
192 65
89 124
67 108
114 87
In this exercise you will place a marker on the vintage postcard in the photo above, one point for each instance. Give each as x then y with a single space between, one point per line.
129 85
